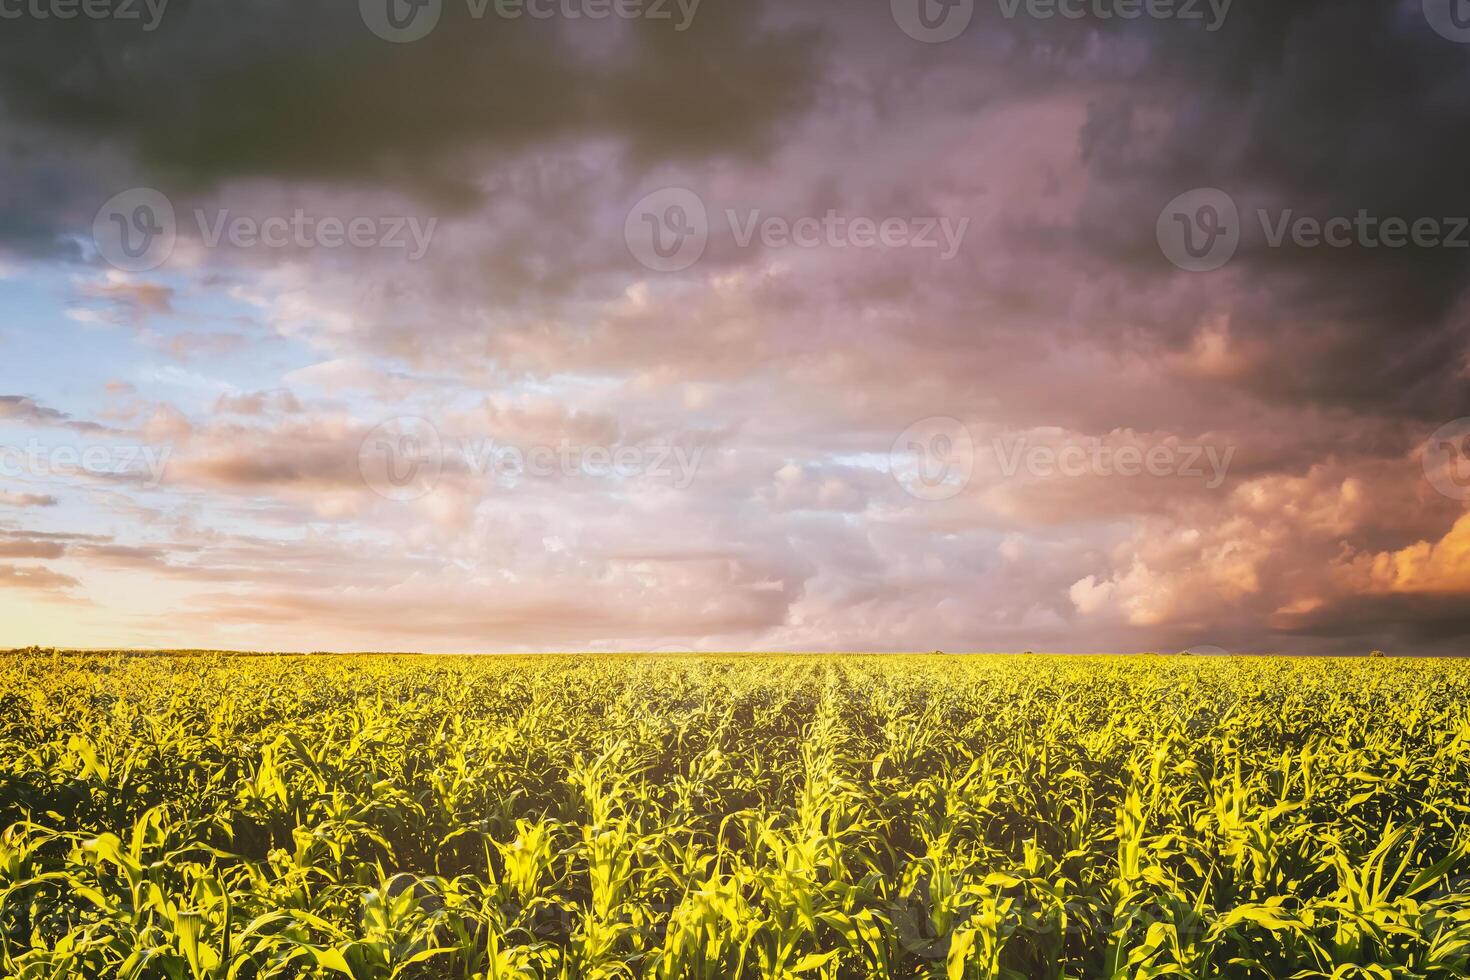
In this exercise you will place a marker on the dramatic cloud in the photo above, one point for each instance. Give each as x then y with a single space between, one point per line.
23 410
10 499
913 363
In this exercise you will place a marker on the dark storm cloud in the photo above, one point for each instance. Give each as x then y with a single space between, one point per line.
304 90
1423 624
45 189
1059 322
1327 109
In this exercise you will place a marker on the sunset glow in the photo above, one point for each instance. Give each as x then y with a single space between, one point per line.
757 326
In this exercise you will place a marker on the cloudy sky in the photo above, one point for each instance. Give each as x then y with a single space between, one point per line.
1111 325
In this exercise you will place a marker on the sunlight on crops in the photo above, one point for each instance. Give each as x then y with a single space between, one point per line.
1027 817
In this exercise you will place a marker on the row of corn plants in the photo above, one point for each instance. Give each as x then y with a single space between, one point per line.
212 817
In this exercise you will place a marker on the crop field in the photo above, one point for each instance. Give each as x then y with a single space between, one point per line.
212 816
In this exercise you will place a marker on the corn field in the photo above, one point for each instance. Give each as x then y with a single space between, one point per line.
211 816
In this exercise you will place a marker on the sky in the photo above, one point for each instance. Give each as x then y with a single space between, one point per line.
527 325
